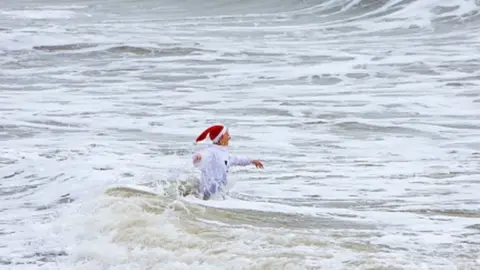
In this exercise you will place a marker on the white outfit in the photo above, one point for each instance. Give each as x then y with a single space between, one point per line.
214 165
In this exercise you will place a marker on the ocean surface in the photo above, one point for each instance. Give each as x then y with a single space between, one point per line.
366 114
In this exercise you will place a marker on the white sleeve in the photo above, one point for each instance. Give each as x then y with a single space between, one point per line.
206 157
239 161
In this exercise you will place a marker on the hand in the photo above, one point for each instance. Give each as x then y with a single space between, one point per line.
197 158
257 163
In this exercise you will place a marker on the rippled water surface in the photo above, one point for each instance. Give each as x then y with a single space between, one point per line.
365 113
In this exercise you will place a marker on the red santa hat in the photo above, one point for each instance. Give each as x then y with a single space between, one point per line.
215 132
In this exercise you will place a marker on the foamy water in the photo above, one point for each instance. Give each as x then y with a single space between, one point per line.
365 113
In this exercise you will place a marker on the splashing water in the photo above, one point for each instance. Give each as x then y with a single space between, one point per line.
364 112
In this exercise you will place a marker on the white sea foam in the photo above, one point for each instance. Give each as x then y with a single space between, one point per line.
365 114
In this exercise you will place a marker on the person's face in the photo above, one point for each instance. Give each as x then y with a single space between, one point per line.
225 139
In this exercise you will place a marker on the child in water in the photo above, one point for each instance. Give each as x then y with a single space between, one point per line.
215 161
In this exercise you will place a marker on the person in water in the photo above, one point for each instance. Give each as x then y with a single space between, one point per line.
215 160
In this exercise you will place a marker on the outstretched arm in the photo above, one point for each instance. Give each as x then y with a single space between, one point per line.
244 161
